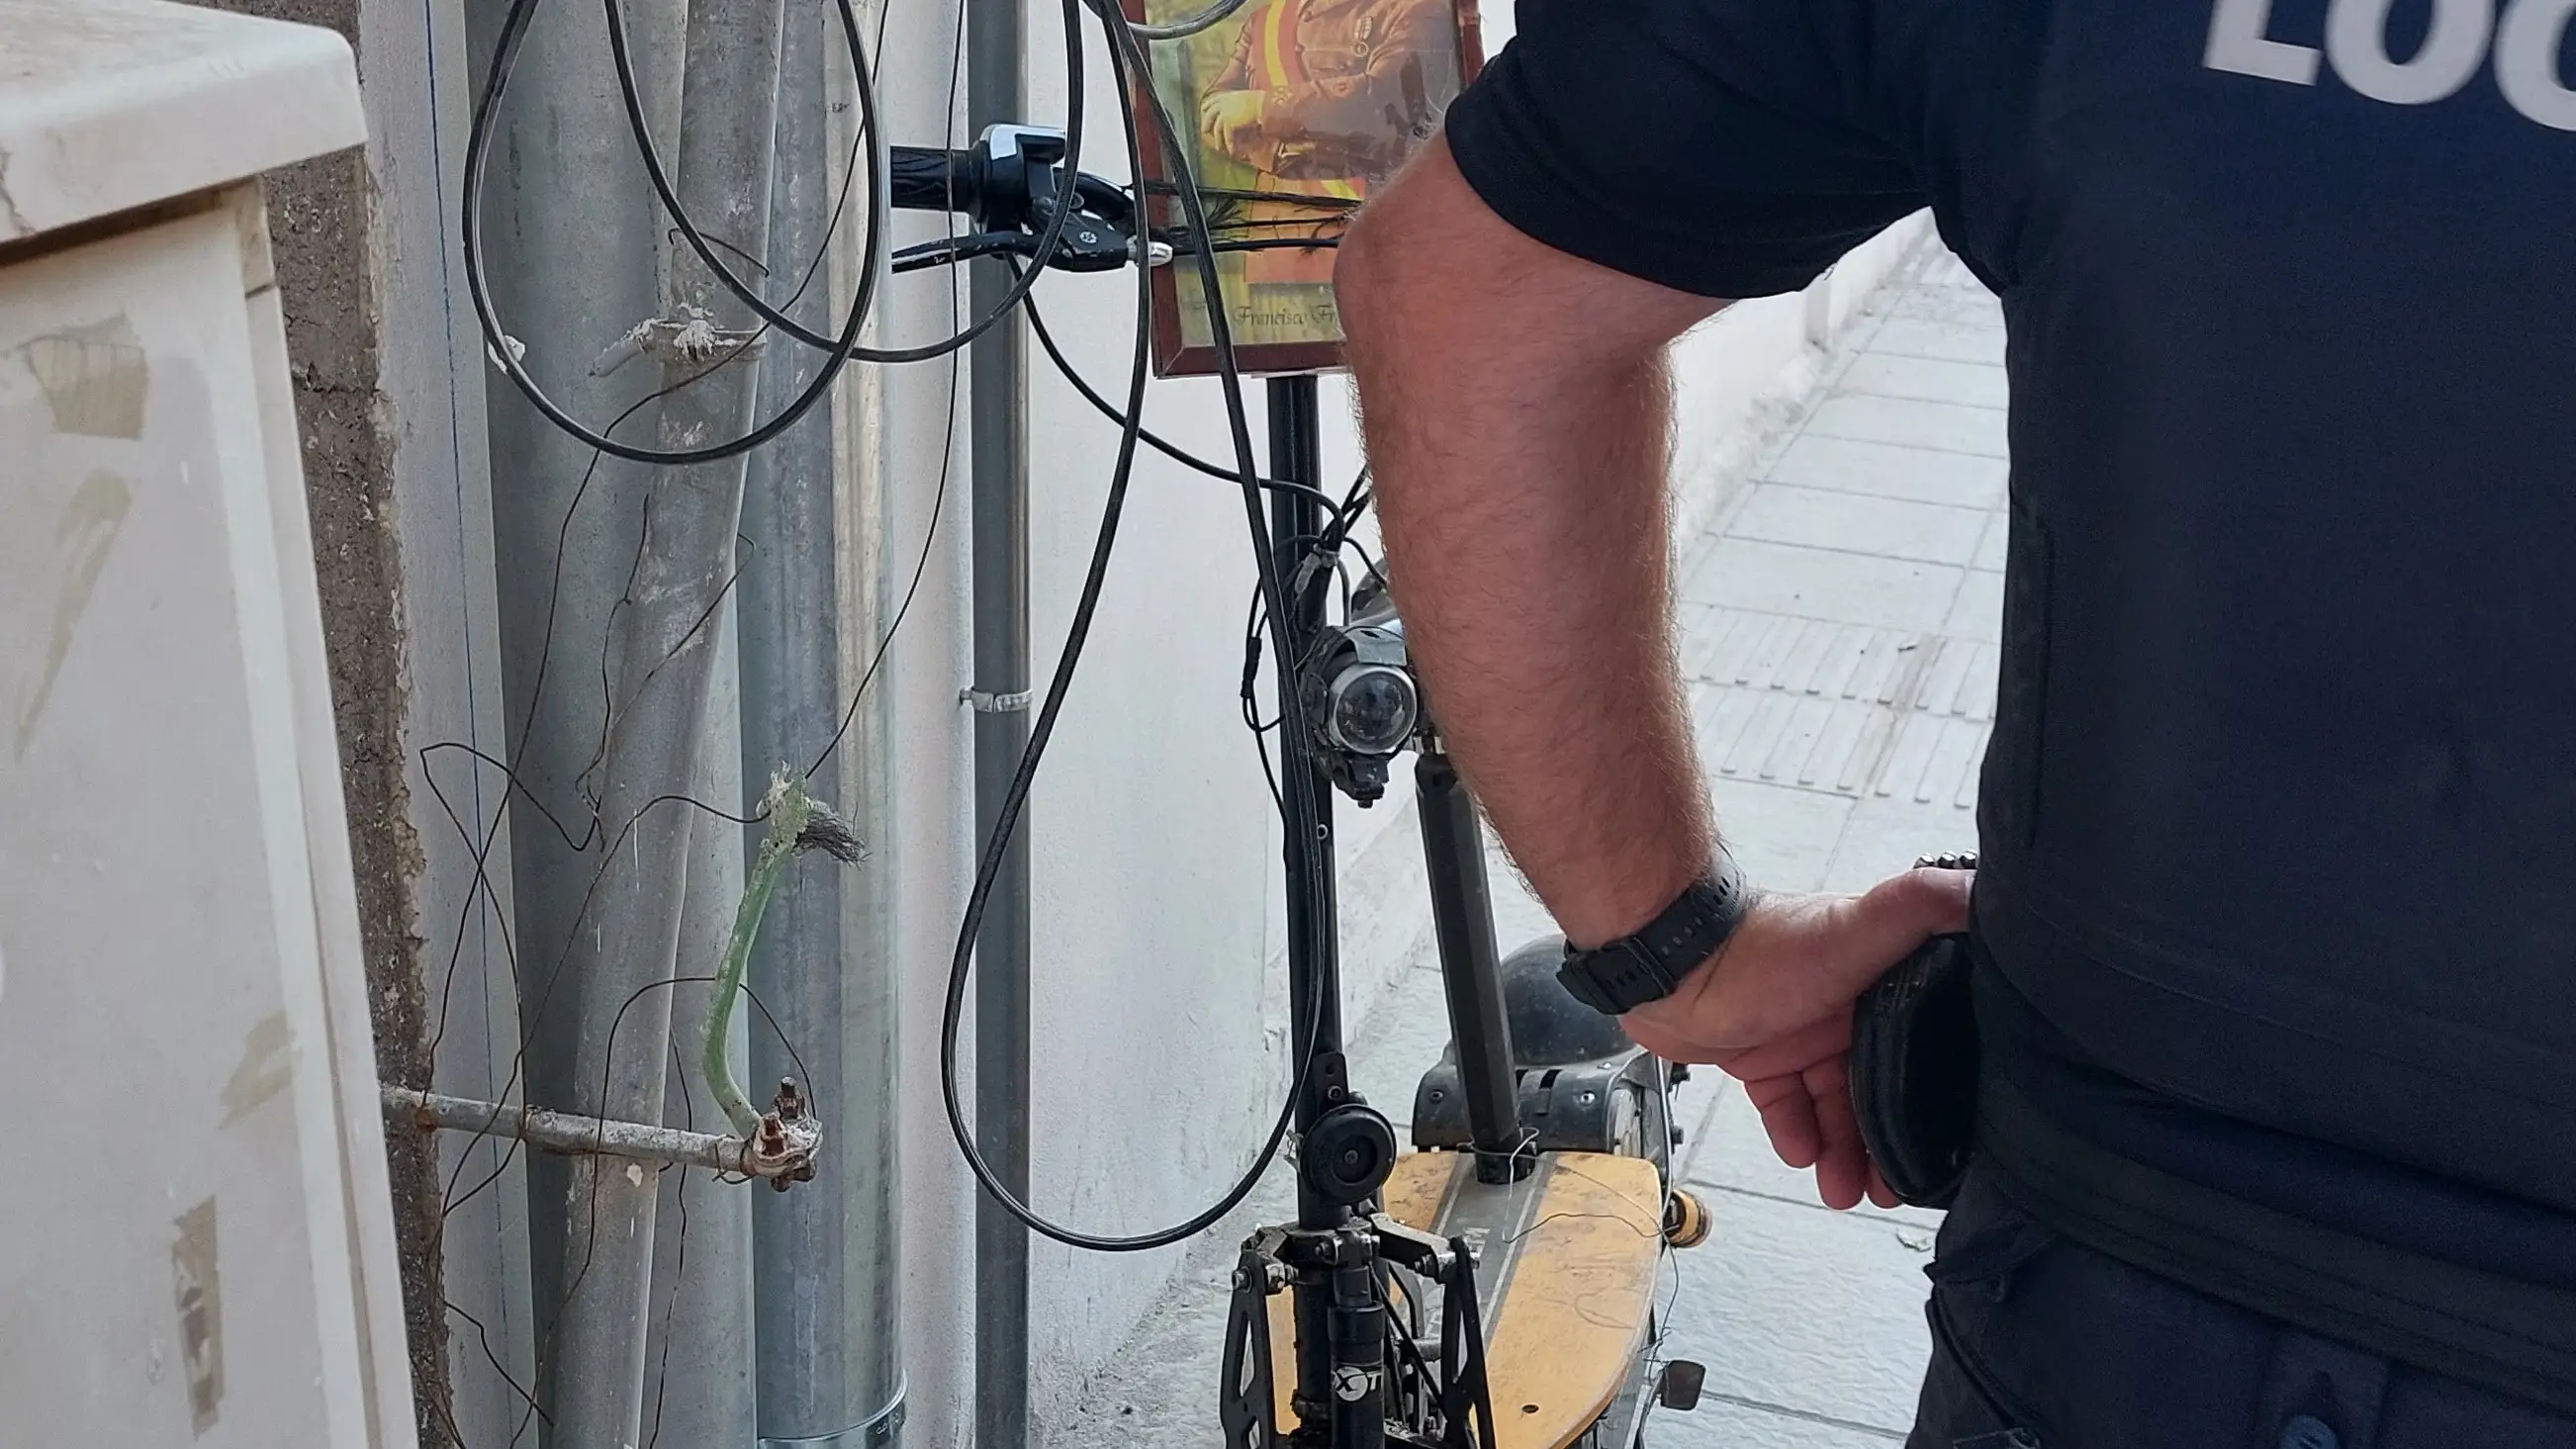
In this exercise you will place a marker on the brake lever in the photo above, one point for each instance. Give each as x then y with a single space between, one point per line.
1010 183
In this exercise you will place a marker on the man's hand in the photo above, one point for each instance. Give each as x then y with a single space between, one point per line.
1226 116
1773 1009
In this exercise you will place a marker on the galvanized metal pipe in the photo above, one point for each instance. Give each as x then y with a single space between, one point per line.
573 237
1462 920
570 1133
826 1285
1314 948
657 737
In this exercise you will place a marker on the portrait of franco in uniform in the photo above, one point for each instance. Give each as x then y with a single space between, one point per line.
1327 98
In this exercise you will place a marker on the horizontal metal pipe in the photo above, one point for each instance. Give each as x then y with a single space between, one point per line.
576 1135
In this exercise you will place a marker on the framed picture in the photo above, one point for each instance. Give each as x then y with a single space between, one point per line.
1295 110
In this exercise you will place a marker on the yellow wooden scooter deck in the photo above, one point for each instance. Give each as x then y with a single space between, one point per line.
1567 1271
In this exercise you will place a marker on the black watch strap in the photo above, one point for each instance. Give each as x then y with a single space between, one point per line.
1649 965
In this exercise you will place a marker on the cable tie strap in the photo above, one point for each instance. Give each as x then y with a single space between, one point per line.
984 701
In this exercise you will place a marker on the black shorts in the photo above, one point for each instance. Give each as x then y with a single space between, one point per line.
2038 1343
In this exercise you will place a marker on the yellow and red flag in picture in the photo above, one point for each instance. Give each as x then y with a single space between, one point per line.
1279 67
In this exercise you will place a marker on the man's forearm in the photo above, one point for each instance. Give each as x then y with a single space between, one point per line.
1519 450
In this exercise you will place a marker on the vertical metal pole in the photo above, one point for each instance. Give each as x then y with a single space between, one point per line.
1462 919
572 228
1314 963
995 38
657 738
1358 1348
1314 955
825 1279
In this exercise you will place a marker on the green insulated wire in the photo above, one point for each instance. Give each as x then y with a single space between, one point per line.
797 823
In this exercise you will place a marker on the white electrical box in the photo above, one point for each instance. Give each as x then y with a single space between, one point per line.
196 1241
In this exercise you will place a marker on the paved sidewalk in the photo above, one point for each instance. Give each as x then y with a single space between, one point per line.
1839 628
1840 632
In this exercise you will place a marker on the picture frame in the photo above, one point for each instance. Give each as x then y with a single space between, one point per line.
1312 102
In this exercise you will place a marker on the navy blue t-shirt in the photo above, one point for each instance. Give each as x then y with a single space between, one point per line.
2278 827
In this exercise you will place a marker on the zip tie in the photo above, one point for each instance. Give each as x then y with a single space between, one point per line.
984 701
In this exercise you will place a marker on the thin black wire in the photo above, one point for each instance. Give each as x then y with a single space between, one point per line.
1404 1348
608 1058
680 1249
611 718
949 251
679 1254
1324 550
545 996
1073 376
1259 223
450 1201
921 565
947 452
478 149
1281 198
483 1338
482 888
1346 515
1335 537
1264 244
513 34
1251 703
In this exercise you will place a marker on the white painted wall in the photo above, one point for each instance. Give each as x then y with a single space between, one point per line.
1161 1007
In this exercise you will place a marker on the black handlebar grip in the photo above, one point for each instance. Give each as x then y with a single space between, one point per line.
932 178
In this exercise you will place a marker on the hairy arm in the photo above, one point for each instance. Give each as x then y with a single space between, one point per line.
1517 413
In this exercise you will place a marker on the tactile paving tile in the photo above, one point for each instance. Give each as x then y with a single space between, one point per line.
1845 709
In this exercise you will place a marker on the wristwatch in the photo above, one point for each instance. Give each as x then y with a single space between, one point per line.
1649 965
